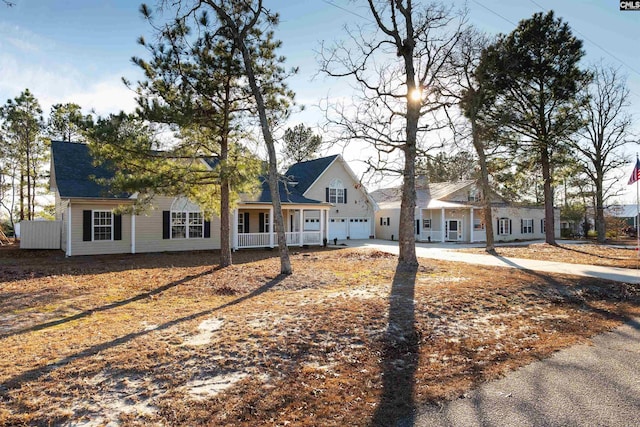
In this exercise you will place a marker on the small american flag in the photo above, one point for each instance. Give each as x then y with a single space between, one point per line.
635 175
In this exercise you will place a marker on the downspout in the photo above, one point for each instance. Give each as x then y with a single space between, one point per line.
68 229
133 233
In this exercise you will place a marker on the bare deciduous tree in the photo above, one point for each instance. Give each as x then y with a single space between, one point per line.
607 129
400 67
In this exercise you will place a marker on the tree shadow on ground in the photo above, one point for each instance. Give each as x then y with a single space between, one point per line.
400 354
106 307
570 249
23 264
36 373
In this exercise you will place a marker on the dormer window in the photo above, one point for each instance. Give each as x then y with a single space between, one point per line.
336 193
475 195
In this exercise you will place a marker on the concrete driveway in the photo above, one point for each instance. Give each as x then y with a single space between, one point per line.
596 384
447 251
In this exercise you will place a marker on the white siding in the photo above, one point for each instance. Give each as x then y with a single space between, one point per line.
148 232
357 206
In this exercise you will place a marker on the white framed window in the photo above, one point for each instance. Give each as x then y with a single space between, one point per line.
475 195
266 223
426 224
178 225
196 225
336 192
527 226
241 224
187 225
504 226
102 225
543 227
478 224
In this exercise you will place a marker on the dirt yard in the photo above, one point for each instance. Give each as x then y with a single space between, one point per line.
624 256
168 339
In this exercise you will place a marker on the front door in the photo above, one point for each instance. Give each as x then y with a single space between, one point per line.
454 229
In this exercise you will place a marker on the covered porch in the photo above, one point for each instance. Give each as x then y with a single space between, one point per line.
450 222
254 225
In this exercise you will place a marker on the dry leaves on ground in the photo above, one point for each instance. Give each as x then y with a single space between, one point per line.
590 254
166 339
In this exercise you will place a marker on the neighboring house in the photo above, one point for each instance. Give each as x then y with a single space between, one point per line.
320 199
452 212
626 213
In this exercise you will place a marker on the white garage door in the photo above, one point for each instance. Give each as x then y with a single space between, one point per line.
338 228
359 228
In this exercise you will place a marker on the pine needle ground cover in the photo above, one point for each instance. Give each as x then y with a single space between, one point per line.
168 339
590 254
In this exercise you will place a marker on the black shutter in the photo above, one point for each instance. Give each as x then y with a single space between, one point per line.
510 227
417 226
533 227
166 224
207 229
388 221
521 226
117 227
327 194
246 222
498 225
261 223
345 195
381 220
86 226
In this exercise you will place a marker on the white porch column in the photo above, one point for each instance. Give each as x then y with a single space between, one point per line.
271 227
443 224
301 223
69 229
420 224
234 229
471 227
133 233
321 225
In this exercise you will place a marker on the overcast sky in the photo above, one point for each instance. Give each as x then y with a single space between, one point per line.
78 50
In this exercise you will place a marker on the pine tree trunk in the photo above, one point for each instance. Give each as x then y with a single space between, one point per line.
225 206
21 195
601 226
29 189
550 237
484 187
285 262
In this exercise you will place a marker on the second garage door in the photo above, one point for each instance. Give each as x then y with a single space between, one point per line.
359 228
338 228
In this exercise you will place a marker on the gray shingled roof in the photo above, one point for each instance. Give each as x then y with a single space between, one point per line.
288 194
74 169
306 173
299 178
424 193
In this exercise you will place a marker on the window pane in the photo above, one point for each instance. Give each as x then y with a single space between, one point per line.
102 225
178 232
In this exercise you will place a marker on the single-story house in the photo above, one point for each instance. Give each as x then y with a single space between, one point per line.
627 213
452 212
321 198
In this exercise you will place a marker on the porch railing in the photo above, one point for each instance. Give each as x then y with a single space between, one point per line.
261 240
253 240
436 236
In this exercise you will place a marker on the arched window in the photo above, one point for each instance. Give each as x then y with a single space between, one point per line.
187 221
337 192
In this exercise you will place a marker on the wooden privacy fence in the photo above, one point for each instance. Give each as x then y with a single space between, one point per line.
40 234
